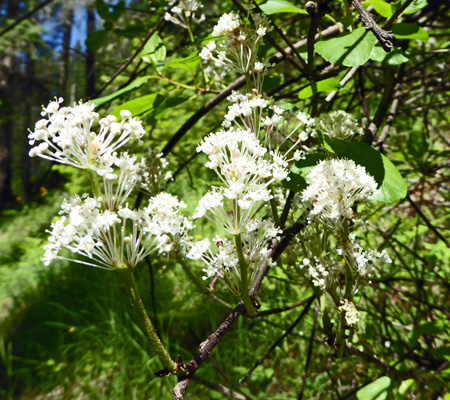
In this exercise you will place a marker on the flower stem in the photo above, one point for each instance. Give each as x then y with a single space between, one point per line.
146 323
94 183
244 279
273 206
340 338
203 288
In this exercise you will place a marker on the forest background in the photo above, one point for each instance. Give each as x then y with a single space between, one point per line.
68 332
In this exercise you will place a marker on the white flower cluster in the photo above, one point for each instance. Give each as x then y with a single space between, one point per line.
66 135
118 185
238 159
224 262
239 49
321 271
362 262
251 112
351 313
335 185
156 171
245 110
339 125
184 13
111 239
104 229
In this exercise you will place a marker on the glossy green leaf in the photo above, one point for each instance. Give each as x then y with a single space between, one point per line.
154 50
394 187
352 49
133 85
310 160
415 6
327 85
395 57
188 63
168 104
391 185
281 6
295 182
140 106
102 9
405 386
382 7
96 39
271 82
410 31
376 390
118 10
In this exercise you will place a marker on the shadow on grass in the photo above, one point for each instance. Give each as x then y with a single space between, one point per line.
75 335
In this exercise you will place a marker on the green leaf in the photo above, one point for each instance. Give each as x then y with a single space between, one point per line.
281 6
118 10
96 39
395 57
310 160
271 82
296 182
154 50
377 390
362 154
188 63
141 105
442 353
133 85
327 85
405 30
383 8
405 386
394 187
391 185
102 10
415 6
428 328
352 49
168 104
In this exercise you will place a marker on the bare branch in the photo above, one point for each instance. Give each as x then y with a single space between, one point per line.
385 38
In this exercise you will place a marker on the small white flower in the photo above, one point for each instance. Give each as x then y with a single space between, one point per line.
351 313
261 31
334 187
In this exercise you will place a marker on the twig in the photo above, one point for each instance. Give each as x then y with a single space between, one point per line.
389 121
316 12
207 348
224 376
129 60
280 339
385 38
152 292
308 357
220 388
327 370
427 221
393 18
25 16
281 309
343 82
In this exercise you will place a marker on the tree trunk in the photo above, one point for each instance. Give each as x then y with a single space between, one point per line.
25 158
7 87
90 55
64 62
